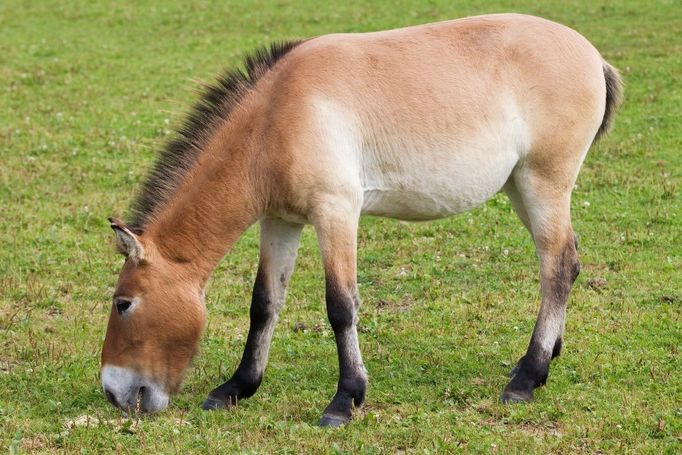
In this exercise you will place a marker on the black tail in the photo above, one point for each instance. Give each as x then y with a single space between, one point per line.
614 96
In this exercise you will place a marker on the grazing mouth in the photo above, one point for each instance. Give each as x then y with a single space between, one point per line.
137 409
132 392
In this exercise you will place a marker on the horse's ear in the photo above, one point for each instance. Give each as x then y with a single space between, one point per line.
127 241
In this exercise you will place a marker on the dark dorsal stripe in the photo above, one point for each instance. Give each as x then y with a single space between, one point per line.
214 106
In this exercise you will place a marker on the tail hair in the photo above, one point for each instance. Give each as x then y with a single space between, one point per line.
614 97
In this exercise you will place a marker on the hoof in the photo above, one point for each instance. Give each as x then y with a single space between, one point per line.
333 421
212 403
516 396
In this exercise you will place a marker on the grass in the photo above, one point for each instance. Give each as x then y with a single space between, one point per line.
89 91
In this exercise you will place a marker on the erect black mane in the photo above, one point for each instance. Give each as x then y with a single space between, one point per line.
214 106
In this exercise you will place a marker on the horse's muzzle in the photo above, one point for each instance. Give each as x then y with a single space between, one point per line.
131 391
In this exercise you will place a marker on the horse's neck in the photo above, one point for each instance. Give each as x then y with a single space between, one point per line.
216 203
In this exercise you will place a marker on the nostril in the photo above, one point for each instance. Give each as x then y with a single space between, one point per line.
111 397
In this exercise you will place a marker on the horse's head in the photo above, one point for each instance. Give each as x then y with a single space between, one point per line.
156 320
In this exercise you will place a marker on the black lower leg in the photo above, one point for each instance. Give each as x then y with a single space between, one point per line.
531 372
556 351
342 309
533 368
249 374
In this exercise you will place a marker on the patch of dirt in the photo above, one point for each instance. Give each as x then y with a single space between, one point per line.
302 327
542 430
6 366
398 307
299 327
668 298
82 421
120 424
596 284
34 444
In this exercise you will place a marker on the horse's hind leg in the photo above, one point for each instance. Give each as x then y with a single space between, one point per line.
279 242
544 206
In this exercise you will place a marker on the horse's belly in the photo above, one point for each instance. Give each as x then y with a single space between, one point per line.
426 190
411 205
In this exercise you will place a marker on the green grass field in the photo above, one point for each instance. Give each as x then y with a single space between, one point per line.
89 91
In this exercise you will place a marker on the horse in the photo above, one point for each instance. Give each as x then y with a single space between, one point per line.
417 123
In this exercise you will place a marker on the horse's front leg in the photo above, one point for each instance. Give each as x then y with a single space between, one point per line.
336 226
279 242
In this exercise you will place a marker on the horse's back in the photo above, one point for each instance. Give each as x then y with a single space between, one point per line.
431 120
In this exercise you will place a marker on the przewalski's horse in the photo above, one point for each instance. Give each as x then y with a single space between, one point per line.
418 123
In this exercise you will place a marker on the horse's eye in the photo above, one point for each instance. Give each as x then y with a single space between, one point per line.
122 305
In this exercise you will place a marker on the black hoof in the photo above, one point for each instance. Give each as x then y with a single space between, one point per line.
212 403
333 421
516 396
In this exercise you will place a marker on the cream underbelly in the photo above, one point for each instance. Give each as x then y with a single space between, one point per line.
414 206
417 193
